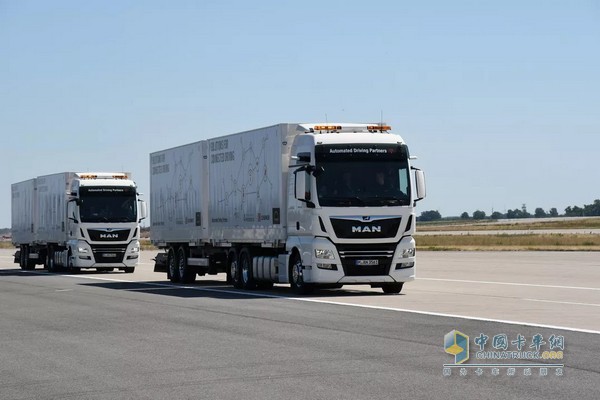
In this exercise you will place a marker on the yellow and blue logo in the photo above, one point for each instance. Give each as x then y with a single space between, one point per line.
457 344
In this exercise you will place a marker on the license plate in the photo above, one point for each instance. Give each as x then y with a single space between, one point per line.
367 262
109 255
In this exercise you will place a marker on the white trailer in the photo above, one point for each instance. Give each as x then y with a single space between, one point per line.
267 206
77 220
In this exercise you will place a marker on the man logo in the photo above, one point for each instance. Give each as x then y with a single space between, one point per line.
366 229
109 236
457 344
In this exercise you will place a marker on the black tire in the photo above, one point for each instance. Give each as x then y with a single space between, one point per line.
247 274
26 263
186 273
392 288
127 270
296 276
50 262
233 269
172 266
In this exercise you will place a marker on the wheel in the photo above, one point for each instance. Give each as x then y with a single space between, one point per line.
172 266
26 263
233 269
186 273
70 267
128 270
245 261
392 288
50 262
296 276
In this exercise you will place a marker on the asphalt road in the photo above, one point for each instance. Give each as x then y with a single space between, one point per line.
136 336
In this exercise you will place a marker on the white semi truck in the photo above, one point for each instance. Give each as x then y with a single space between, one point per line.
77 220
305 204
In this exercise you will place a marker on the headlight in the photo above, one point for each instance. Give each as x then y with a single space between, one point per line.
81 248
135 248
324 253
408 252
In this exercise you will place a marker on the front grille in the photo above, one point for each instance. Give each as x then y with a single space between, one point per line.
109 235
108 254
376 228
353 253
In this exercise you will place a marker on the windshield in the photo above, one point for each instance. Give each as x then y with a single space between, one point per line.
362 175
107 204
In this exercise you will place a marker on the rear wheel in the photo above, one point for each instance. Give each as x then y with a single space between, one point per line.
247 275
172 265
186 274
50 262
234 270
297 276
26 263
392 288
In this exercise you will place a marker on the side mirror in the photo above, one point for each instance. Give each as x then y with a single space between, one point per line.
143 210
300 184
420 184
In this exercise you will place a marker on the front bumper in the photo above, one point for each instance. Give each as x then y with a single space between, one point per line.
84 255
360 263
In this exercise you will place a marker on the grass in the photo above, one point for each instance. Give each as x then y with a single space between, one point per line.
509 242
498 225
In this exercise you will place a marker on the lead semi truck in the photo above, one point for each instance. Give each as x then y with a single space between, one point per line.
73 220
305 204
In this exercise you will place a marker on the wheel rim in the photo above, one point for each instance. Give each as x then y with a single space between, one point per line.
181 263
297 274
245 272
172 266
233 270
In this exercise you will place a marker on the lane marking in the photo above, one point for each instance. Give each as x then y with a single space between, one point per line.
564 302
509 283
312 300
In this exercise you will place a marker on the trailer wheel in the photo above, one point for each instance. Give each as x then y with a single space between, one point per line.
27 264
392 288
247 275
50 263
296 278
233 269
186 273
173 268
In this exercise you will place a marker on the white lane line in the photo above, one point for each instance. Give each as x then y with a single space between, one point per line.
509 283
564 302
312 300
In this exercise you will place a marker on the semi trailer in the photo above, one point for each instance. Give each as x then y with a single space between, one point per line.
304 204
72 220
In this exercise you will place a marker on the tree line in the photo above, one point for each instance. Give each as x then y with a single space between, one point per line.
587 210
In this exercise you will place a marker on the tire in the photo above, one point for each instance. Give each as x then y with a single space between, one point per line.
392 288
26 263
233 269
186 273
128 270
50 262
172 266
296 277
247 274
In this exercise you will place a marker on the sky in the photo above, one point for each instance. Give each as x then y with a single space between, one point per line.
499 100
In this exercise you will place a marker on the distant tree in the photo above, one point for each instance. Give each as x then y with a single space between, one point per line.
432 215
464 215
592 209
478 214
540 213
574 212
553 212
516 213
497 215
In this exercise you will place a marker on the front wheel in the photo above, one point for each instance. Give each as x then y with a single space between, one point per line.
297 276
233 269
392 288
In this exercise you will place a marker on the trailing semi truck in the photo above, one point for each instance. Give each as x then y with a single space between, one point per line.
305 204
73 220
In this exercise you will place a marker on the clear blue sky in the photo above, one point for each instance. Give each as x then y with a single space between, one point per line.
500 100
